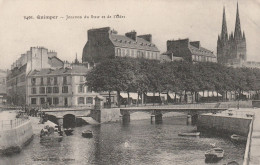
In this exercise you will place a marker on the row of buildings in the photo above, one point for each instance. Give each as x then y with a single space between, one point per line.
40 78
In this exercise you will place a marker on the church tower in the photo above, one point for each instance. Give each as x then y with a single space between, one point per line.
231 49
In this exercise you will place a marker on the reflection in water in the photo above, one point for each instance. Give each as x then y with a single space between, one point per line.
139 142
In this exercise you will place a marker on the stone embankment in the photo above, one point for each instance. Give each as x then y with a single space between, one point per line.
14 138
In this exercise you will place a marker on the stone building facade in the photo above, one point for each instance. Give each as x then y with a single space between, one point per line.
2 86
189 51
35 59
106 43
231 49
61 87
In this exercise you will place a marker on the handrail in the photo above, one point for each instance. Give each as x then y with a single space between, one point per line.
248 143
10 124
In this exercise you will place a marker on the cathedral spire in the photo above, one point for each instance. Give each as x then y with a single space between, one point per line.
224 34
238 33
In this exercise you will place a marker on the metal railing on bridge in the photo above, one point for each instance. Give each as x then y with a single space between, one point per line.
10 124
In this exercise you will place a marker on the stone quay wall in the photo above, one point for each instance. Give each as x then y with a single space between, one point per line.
224 124
12 140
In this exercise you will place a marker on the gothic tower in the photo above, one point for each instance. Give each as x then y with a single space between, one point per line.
231 49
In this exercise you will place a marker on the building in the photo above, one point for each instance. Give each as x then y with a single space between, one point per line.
61 87
188 51
231 49
36 58
106 43
2 86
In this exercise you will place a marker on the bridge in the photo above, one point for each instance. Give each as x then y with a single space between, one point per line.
70 117
192 110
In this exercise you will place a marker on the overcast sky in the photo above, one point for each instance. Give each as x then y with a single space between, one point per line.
164 19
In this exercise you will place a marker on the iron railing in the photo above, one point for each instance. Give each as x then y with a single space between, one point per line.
10 124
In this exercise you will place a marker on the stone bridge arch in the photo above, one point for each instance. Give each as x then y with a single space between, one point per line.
69 121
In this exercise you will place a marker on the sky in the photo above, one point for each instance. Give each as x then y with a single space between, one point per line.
164 19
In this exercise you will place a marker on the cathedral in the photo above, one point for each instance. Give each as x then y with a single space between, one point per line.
231 49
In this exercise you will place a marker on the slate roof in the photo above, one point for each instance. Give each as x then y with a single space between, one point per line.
140 43
75 70
201 51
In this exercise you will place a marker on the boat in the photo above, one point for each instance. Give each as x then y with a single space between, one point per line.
49 135
68 131
214 154
189 134
238 138
87 134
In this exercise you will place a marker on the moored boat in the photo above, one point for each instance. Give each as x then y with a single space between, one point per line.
189 134
214 154
238 138
87 134
68 131
49 135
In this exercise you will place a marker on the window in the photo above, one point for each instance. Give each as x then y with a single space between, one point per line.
148 54
33 81
42 90
81 100
33 100
128 52
65 80
33 90
42 100
65 89
88 89
81 89
49 100
55 100
42 81
48 81
49 89
55 80
119 52
82 78
132 53
55 89
123 52
89 100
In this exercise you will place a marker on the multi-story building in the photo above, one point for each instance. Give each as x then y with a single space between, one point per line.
63 87
106 43
35 59
2 86
231 50
188 51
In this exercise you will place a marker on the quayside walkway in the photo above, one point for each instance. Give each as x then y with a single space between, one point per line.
254 150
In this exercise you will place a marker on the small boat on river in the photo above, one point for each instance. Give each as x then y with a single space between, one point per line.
238 138
214 154
87 134
68 131
49 135
189 134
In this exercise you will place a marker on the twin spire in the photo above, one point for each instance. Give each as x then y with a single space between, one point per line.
237 34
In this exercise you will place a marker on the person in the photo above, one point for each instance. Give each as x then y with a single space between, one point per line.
42 133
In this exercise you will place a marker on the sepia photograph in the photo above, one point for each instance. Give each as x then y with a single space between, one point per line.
111 82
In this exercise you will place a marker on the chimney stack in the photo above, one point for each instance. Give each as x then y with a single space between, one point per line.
131 35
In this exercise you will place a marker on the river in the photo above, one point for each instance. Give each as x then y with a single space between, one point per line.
139 142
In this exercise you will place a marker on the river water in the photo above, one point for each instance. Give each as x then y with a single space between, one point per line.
139 142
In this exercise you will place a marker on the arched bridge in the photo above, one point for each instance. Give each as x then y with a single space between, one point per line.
63 116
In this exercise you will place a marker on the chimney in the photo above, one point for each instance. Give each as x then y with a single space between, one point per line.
131 35
147 37
195 44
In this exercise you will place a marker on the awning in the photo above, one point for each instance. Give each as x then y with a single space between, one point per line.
90 120
210 94
172 96
152 94
133 95
124 95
